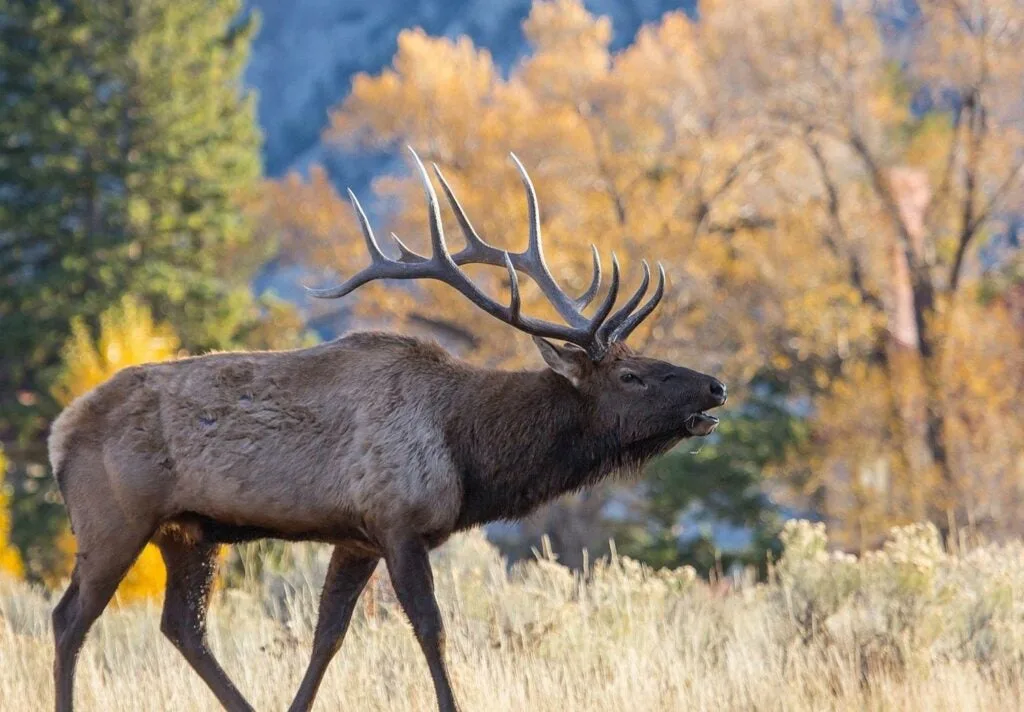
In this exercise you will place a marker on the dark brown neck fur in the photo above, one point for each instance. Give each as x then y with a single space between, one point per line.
522 439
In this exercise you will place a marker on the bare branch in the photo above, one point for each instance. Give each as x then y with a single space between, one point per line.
835 217
939 196
976 128
999 194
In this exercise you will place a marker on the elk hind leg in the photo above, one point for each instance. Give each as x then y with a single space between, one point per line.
104 557
190 571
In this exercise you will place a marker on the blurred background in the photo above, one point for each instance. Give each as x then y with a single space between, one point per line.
836 190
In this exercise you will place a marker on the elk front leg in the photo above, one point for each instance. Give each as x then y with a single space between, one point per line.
409 566
346 577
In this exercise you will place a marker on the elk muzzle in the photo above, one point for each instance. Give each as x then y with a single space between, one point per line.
701 423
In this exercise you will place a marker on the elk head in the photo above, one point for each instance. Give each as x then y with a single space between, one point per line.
641 403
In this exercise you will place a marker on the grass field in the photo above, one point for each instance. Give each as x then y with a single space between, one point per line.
910 628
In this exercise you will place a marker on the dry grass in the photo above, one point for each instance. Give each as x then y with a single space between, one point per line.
912 628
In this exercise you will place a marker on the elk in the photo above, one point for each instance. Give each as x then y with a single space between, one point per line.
380 444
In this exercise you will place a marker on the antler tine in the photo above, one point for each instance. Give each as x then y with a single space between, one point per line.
444 267
584 299
601 314
535 249
533 263
439 247
514 303
377 259
626 328
406 255
621 314
364 224
476 249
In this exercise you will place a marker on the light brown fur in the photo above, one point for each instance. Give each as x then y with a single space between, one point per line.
295 441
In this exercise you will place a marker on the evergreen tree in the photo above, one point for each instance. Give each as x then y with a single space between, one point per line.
127 142
127 147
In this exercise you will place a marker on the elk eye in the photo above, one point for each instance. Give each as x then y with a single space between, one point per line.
628 377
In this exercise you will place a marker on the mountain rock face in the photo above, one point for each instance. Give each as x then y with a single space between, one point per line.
307 52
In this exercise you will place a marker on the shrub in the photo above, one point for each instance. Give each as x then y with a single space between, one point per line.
10 559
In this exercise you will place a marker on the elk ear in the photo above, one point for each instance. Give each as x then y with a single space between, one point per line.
568 361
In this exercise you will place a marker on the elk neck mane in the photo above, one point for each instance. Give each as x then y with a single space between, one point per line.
520 439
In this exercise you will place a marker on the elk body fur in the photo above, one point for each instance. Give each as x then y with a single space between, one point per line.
337 439
380 444
364 434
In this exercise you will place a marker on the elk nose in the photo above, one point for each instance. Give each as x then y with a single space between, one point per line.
718 390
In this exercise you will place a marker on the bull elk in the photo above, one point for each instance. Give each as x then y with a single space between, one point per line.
379 444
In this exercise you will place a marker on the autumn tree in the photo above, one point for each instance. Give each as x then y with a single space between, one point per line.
916 163
819 197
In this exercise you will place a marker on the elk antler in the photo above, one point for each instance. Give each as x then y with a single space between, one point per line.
593 333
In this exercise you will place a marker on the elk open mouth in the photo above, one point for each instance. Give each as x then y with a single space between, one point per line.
700 424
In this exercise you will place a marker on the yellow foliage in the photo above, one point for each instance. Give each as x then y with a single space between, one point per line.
10 558
872 418
65 547
128 337
145 579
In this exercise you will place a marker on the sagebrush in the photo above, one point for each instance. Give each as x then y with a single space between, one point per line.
910 627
